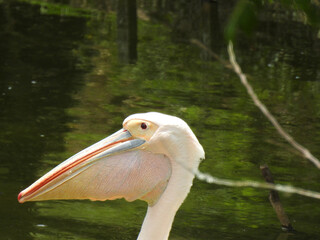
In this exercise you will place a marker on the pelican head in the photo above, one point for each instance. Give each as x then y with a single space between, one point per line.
149 159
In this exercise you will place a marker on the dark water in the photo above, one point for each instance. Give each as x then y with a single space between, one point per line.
62 88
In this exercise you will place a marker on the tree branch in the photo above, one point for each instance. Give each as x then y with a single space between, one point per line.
233 183
275 201
305 152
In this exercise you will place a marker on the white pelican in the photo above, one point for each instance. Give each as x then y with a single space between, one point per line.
146 159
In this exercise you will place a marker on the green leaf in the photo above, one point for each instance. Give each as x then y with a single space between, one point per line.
243 18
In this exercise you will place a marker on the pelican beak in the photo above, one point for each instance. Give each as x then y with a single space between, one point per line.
118 142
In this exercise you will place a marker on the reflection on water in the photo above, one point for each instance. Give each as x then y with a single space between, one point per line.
38 75
62 89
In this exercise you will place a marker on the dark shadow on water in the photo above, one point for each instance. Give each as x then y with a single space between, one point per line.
38 75
127 31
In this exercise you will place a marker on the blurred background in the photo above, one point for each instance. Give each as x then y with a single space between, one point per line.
72 70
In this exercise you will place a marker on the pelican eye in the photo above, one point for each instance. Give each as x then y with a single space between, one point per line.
144 126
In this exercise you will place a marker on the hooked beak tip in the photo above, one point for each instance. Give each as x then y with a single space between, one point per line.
20 197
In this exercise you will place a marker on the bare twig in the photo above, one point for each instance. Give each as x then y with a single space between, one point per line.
275 200
236 68
248 183
305 152
231 183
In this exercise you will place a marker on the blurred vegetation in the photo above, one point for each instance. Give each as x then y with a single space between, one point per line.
245 15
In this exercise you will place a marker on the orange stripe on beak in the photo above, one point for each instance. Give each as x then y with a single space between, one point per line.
89 153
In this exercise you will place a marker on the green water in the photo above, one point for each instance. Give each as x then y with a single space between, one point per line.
62 88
